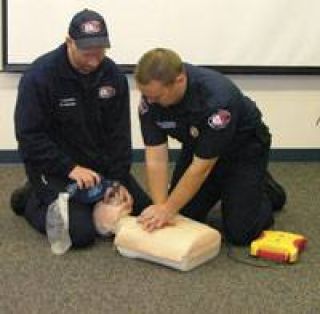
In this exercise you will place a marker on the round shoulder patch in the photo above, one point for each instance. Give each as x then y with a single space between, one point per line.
220 119
143 106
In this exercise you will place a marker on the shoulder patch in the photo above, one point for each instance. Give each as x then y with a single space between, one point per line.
220 119
143 107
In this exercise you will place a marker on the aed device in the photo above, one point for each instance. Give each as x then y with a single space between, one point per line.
278 246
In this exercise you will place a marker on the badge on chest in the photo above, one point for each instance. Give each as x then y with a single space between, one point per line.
106 92
194 132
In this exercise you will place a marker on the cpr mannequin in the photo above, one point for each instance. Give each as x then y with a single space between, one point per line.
184 244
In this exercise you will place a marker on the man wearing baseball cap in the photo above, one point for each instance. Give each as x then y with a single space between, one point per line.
88 29
72 125
88 38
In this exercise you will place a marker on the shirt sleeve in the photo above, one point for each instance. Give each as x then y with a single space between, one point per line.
151 133
217 130
31 126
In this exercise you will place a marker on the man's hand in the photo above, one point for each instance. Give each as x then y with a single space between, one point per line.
156 217
84 177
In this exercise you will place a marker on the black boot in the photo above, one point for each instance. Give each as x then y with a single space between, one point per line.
19 198
275 192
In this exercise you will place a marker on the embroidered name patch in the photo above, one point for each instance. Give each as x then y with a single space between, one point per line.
67 102
166 124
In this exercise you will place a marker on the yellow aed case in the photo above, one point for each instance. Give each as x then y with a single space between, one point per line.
278 246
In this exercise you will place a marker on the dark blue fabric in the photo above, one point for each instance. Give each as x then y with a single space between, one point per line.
64 119
192 121
81 226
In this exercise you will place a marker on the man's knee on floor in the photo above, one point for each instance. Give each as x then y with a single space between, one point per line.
19 198
238 239
240 235
82 237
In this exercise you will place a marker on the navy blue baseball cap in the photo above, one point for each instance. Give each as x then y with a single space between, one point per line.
88 29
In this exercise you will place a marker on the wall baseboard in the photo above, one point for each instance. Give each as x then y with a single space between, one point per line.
277 154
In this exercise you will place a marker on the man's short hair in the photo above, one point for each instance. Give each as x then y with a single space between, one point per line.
158 64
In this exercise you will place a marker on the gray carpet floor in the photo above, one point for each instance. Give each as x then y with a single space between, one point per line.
99 280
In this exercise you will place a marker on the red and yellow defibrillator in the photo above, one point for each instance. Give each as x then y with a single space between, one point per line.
278 246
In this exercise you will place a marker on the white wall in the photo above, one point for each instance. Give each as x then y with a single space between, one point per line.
290 105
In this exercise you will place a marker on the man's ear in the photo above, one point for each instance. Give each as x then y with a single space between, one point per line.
68 40
181 78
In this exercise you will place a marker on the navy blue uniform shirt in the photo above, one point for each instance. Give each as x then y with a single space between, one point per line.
212 119
64 119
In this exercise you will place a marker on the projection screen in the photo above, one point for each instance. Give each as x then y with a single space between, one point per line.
273 36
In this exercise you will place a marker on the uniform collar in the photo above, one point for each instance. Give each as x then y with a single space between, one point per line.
65 69
186 103
193 94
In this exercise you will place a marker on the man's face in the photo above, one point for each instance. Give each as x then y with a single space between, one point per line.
164 95
85 60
